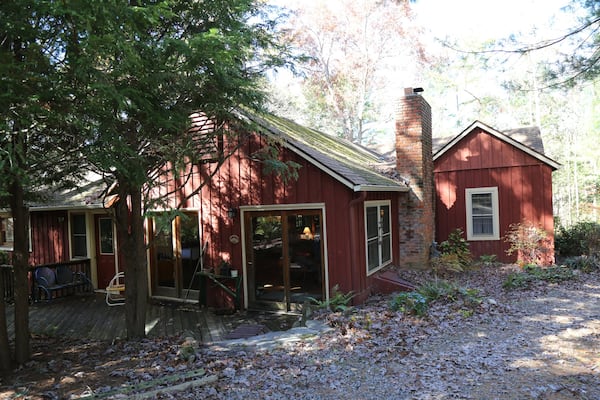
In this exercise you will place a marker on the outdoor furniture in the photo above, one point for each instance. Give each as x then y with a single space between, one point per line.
115 291
53 282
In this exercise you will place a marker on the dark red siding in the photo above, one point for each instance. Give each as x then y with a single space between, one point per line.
241 181
481 160
49 242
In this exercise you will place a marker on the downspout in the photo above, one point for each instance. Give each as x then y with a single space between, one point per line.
354 241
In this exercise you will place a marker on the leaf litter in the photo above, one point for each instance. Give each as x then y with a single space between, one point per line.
538 343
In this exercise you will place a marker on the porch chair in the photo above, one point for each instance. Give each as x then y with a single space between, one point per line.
115 291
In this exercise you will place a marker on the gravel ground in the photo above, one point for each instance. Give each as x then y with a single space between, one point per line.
537 343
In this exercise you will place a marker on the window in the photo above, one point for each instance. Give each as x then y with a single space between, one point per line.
7 232
378 235
106 236
78 236
482 214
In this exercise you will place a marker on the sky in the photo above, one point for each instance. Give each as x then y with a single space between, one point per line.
469 22
467 18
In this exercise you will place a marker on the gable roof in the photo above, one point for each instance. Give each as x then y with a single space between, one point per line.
527 139
88 195
357 167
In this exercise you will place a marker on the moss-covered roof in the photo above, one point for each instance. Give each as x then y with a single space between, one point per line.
355 166
89 194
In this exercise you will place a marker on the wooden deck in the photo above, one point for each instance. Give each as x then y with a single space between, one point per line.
88 316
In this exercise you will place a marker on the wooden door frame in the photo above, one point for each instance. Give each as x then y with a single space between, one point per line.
96 245
246 212
165 291
179 290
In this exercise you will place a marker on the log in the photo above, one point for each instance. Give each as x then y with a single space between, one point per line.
177 388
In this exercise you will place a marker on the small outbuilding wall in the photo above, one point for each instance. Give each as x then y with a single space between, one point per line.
482 160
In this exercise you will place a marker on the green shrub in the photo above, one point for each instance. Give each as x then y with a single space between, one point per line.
487 260
454 256
457 244
417 302
410 303
446 264
585 264
338 300
438 289
583 238
534 273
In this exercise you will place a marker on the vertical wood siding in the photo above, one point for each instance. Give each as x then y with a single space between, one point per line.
49 234
481 160
241 181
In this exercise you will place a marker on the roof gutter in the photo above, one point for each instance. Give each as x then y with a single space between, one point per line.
380 188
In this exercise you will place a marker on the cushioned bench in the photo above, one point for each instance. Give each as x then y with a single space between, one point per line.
60 281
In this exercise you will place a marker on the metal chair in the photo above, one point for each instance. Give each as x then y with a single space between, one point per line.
115 291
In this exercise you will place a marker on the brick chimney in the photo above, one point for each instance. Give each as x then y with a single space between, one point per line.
414 162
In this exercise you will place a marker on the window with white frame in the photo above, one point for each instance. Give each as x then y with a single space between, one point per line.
378 234
78 236
483 218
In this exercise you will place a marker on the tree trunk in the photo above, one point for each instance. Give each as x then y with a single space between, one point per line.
4 347
20 260
130 225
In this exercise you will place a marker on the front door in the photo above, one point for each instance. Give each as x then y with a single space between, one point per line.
105 249
284 254
175 255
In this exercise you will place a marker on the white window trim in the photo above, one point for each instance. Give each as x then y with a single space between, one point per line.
496 213
378 204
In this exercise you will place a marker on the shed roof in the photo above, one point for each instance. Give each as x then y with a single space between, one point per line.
355 166
527 139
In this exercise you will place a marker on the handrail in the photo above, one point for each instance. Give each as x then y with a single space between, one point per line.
58 264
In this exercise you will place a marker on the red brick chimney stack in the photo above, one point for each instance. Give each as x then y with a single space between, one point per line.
414 162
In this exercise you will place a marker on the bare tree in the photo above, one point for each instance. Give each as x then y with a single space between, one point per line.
353 51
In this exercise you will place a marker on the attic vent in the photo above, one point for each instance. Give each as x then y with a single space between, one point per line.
208 142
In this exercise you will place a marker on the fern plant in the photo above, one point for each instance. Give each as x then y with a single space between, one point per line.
338 300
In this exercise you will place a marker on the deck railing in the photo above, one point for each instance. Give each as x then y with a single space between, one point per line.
7 283
82 265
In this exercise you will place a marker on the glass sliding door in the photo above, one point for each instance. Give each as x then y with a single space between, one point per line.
163 257
190 250
175 255
267 259
284 258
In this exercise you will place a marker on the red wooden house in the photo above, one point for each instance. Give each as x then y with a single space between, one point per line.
349 219
487 180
